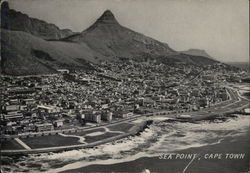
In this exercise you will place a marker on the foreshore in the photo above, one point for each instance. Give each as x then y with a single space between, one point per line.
236 145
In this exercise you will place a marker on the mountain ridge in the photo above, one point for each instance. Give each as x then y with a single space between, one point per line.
111 39
105 40
17 21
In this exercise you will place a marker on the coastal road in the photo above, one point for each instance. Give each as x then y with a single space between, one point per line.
236 102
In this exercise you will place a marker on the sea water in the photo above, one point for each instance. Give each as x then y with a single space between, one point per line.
160 137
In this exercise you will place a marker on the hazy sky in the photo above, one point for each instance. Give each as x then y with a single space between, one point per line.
221 27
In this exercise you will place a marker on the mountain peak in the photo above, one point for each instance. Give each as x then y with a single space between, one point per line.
107 18
5 6
108 13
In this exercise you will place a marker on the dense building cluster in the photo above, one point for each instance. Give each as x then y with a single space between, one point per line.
113 91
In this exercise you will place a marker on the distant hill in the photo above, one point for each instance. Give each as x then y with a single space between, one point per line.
197 52
17 21
187 59
31 46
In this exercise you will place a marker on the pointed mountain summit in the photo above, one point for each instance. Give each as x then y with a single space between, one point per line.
107 37
107 18
27 48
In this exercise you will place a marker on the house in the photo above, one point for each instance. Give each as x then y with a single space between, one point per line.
29 101
29 128
195 93
203 102
209 77
223 95
174 92
93 117
44 127
14 116
11 108
184 97
23 107
49 109
107 116
63 71
123 114
58 123
149 102
14 101
81 118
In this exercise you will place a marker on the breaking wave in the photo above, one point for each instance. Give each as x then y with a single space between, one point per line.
160 137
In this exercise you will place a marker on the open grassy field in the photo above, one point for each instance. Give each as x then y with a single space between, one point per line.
11 145
124 127
86 136
50 141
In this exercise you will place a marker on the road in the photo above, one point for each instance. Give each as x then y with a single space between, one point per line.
235 102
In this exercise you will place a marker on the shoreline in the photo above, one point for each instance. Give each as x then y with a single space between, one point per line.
238 144
204 114
137 128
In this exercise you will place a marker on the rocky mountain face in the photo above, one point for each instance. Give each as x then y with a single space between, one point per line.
107 37
197 52
17 21
30 46
111 39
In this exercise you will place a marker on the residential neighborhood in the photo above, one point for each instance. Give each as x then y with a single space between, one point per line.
71 99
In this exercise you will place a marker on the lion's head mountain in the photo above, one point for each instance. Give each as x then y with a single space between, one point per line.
31 46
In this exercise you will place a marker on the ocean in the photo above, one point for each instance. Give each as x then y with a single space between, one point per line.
160 137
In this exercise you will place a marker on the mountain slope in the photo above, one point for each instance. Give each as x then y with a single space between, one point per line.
109 38
17 21
113 40
24 54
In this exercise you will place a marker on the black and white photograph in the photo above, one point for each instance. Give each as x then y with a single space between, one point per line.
124 86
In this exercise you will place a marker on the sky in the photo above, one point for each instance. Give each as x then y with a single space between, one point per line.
221 27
